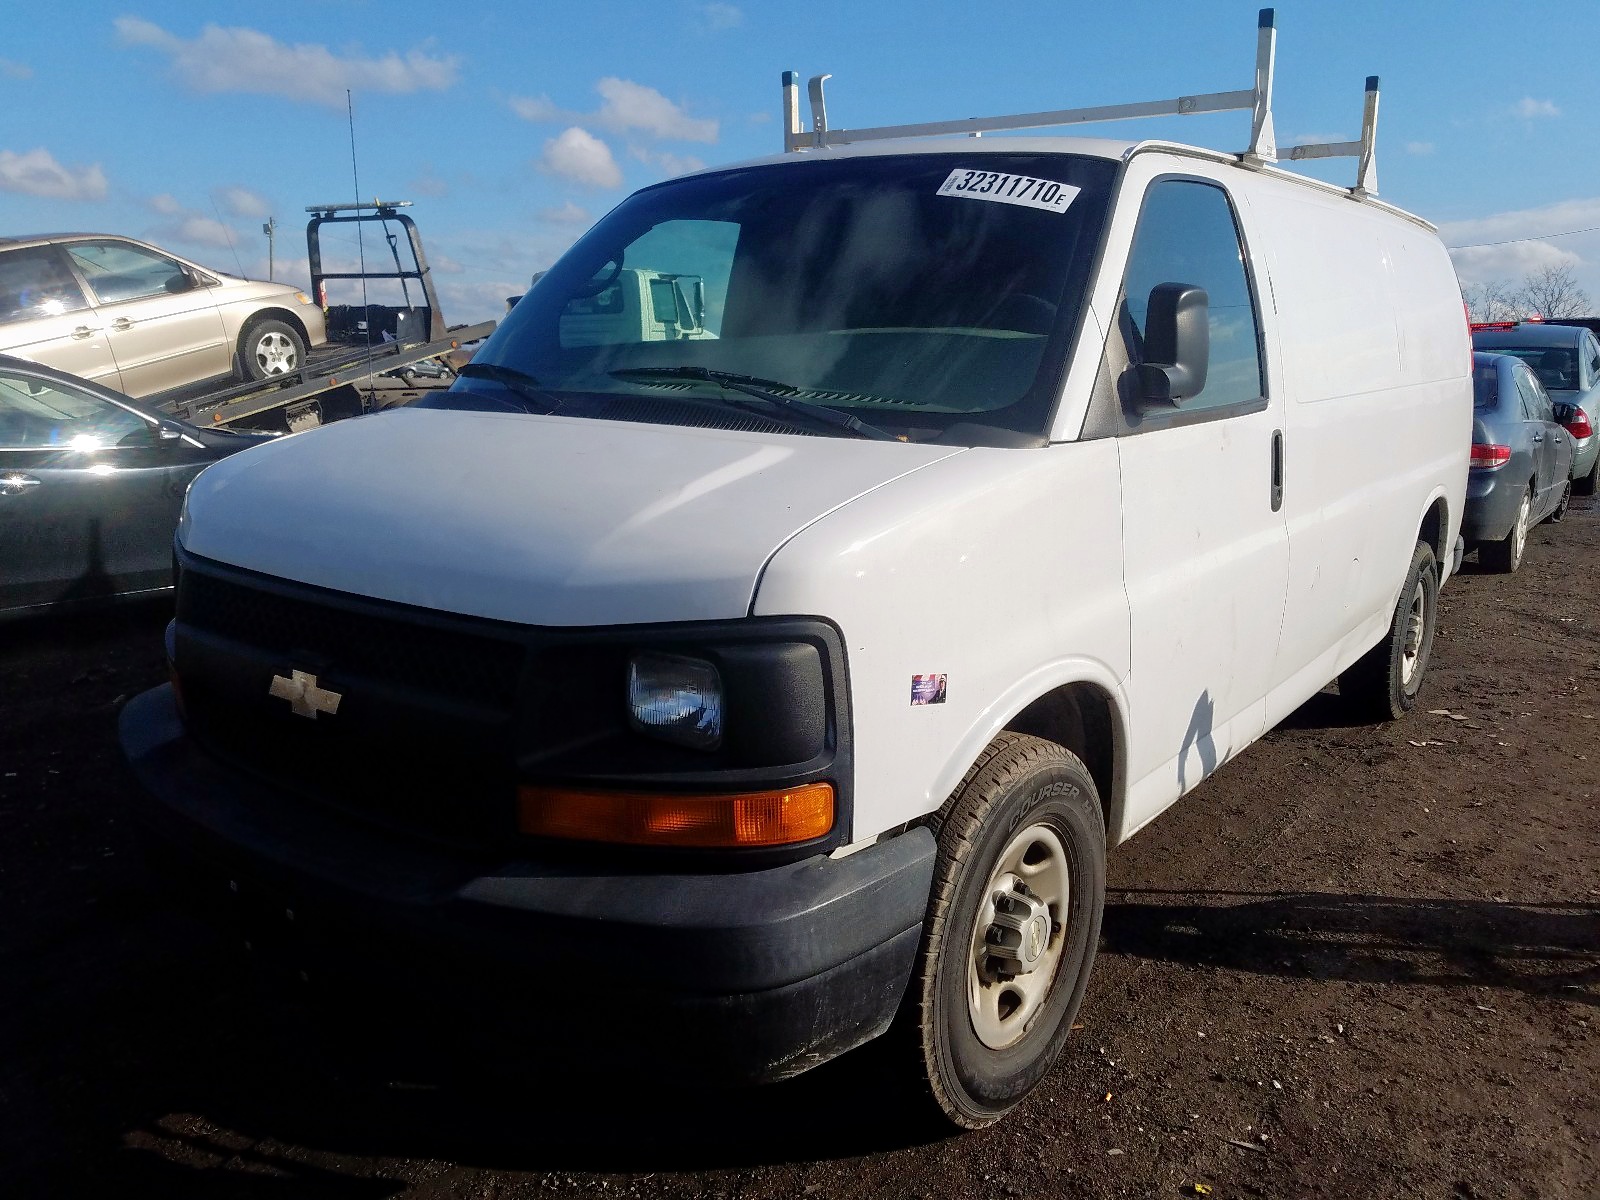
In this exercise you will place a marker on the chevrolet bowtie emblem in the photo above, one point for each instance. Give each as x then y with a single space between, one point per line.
305 698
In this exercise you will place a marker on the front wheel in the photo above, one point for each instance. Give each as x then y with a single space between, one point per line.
268 348
1013 922
1384 683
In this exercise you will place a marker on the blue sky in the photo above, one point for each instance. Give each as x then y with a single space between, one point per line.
514 126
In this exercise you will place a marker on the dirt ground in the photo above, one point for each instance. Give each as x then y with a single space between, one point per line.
1360 961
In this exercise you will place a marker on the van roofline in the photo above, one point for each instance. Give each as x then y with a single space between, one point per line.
1104 148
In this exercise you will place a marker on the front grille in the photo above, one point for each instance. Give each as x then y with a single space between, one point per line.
464 666
422 737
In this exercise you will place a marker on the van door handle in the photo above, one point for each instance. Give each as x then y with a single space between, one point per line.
1537 438
83 331
1277 469
14 483
121 324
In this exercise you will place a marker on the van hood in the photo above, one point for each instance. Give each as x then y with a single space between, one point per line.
534 519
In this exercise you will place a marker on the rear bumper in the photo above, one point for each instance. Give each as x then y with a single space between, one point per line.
719 978
1492 502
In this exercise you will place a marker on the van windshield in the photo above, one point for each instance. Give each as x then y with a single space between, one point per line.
918 293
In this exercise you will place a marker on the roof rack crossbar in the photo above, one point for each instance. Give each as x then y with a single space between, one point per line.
1257 98
1364 149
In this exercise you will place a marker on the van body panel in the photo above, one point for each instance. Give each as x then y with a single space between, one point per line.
547 521
993 569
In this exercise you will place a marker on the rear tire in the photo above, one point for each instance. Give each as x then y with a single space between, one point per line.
1590 483
1384 683
271 347
1560 513
1002 968
1505 556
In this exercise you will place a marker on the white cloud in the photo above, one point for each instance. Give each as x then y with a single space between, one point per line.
428 182
203 231
625 107
1529 108
565 214
15 70
242 202
445 265
578 155
1420 148
246 60
1483 264
670 164
629 105
165 204
1528 222
37 173
722 16
1311 139
759 118
537 109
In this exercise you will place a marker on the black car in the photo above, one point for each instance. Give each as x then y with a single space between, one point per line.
90 488
1521 460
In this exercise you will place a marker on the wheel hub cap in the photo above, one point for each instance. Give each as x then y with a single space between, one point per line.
1017 938
1020 932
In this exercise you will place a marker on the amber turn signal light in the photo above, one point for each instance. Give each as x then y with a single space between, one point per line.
775 818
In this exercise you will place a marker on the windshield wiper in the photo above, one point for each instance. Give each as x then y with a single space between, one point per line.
767 390
520 382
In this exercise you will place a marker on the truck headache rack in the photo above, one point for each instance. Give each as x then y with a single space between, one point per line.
1263 149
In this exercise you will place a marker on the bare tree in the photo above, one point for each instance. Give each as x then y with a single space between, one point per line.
1553 292
1494 300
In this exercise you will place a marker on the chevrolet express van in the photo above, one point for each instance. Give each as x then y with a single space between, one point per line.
713 704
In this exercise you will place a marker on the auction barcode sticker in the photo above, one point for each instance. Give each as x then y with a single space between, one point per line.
1009 189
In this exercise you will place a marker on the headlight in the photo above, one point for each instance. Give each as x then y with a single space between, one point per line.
677 699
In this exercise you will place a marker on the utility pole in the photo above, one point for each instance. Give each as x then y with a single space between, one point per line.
270 228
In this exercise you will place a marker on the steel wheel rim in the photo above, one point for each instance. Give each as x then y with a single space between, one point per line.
275 353
1002 1009
1416 625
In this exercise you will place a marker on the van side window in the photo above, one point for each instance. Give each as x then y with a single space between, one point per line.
1187 234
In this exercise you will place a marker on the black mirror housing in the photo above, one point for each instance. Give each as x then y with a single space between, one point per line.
1177 344
1563 413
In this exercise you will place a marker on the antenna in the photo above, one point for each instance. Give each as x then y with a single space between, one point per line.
227 233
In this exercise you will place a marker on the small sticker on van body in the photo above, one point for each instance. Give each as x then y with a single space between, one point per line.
1009 189
927 689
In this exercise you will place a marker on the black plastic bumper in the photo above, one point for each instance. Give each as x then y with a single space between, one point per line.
734 977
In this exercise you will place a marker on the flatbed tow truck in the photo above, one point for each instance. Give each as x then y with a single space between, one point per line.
377 356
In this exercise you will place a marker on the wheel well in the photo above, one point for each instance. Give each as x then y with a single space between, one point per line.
1079 716
1433 529
274 314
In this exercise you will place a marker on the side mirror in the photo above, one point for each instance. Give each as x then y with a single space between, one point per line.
178 284
1177 344
168 433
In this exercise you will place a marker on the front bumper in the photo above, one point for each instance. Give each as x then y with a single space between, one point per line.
717 978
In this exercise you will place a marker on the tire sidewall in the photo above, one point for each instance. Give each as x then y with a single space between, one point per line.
982 1081
1424 570
252 336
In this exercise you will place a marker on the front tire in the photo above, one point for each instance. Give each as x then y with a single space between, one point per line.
271 347
1013 922
1384 683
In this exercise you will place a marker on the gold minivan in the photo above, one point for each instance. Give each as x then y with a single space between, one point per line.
139 319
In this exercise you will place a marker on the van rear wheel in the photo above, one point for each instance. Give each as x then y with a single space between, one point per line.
1384 683
1013 922
1588 484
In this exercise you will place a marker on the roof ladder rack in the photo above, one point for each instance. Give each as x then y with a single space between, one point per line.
1257 98
1367 170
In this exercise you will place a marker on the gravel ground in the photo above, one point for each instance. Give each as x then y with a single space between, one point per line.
1360 961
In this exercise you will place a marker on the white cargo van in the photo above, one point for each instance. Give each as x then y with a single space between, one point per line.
706 704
